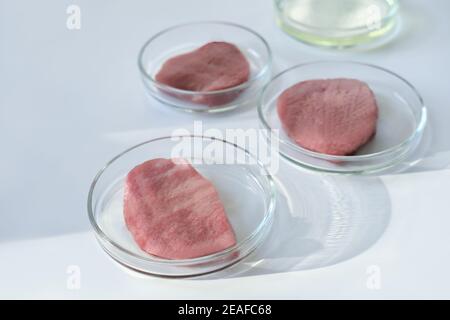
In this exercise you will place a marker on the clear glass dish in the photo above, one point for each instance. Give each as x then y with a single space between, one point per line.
245 188
337 24
401 122
188 37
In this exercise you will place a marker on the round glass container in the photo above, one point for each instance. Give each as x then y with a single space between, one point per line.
402 116
245 188
337 24
188 37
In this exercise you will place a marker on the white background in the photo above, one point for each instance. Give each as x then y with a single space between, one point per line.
71 100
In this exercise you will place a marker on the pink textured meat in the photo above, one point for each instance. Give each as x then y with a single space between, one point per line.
214 66
173 212
335 116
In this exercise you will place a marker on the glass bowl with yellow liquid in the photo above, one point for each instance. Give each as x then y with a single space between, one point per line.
337 24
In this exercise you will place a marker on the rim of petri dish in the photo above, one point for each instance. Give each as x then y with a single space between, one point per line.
415 134
268 215
242 86
392 13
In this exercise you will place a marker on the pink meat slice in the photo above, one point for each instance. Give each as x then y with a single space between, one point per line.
214 66
173 212
333 116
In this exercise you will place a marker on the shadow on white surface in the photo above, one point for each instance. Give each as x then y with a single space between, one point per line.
320 220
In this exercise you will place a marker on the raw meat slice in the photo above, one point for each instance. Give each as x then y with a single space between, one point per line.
173 212
214 66
333 116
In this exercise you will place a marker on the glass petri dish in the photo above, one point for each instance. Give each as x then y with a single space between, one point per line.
401 120
188 37
337 24
245 187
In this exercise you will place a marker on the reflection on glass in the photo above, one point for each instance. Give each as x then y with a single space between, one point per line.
332 23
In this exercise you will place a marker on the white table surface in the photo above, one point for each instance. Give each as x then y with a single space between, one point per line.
70 100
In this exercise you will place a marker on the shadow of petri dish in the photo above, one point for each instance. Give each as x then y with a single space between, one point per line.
321 220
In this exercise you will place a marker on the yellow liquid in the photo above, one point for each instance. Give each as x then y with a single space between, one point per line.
336 23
